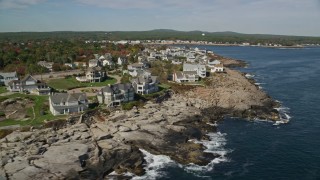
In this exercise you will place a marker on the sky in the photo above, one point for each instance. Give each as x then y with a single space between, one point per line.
285 17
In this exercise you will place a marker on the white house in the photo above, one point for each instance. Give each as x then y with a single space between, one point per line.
94 63
120 61
6 77
211 63
217 68
145 84
185 76
93 74
200 69
64 103
191 58
114 95
29 84
107 62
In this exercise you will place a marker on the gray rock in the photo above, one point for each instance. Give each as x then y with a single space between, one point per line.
63 158
98 134
80 127
124 129
16 166
2 174
17 136
29 173
85 135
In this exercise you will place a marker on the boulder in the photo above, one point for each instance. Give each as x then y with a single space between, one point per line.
18 136
16 166
64 158
124 129
98 134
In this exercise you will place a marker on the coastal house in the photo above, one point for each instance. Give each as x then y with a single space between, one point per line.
46 64
114 95
212 63
200 69
185 76
71 65
29 84
107 62
80 64
191 57
121 61
139 72
65 103
136 66
93 74
217 68
145 84
6 77
94 63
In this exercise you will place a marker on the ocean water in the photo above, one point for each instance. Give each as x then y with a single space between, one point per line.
261 150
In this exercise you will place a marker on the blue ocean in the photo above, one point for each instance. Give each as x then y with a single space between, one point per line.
259 149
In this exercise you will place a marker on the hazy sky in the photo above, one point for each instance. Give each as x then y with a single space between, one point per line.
291 17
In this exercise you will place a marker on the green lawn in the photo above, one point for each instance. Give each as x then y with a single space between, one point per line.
41 110
3 89
72 83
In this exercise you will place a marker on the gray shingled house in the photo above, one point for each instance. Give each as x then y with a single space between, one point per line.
29 84
114 95
6 77
145 84
65 103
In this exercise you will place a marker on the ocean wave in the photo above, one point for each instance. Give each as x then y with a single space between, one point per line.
284 115
216 146
249 76
154 165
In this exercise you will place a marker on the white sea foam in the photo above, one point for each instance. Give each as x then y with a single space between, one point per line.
249 76
154 165
284 115
216 146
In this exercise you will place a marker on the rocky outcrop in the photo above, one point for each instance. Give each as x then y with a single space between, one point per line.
102 142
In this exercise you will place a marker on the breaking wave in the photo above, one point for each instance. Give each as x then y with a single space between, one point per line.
216 146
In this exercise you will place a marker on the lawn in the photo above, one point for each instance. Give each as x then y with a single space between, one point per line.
3 89
41 111
72 83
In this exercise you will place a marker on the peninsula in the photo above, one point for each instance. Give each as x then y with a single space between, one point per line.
107 139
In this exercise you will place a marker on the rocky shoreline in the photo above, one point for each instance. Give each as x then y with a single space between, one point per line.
102 142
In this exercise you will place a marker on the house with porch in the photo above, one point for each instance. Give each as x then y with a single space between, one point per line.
93 74
114 95
29 84
217 68
65 103
145 84
185 76
200 69
6 77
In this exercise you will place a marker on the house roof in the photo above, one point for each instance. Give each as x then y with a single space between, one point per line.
28 77
115 87
214 62
145 79
8 74
58 98
93 69
192 66
218 65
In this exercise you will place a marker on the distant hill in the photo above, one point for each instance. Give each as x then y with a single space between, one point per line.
161 34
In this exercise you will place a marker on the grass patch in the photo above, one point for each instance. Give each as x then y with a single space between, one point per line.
130 105
71 83
3 89
41 111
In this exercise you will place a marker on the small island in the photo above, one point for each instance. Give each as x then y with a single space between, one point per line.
126 106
